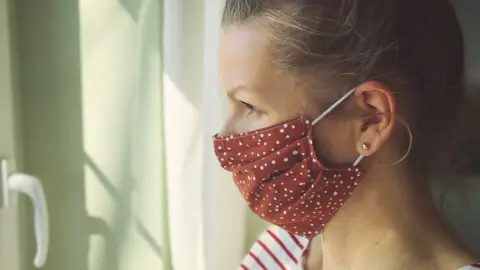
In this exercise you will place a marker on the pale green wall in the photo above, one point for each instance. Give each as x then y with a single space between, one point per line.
12 226
90 82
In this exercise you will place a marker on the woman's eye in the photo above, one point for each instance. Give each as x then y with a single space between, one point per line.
251 109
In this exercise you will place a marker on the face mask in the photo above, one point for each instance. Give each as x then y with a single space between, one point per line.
282 180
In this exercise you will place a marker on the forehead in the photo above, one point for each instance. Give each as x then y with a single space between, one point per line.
244 56
245 63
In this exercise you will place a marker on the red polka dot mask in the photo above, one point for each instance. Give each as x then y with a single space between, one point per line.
282 180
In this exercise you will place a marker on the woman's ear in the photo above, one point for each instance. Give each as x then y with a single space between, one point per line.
378 104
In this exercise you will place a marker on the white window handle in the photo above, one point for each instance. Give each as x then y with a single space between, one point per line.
30 186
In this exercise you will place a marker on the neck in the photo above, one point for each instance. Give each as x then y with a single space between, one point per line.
388 223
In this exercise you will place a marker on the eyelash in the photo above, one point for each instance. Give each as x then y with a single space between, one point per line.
251 109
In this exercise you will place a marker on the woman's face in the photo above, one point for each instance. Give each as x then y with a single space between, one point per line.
259 95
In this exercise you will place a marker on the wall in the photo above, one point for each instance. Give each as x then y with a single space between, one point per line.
467 13
12 255
90 80
460 203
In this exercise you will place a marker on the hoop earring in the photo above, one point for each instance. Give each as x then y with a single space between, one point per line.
410 135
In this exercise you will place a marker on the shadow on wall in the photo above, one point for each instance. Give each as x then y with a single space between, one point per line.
90 117
114 238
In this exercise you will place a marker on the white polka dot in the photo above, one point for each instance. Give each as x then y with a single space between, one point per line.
335 193
261 135
295 153
282 130
219 148
293 127
278 142
285 159
273 161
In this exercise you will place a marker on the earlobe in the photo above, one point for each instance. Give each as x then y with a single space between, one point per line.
369 142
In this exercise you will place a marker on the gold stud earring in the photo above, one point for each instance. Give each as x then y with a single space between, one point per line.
366 146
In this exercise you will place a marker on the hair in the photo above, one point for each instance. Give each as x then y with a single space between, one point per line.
415 47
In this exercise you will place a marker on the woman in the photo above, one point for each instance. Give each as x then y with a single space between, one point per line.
317 90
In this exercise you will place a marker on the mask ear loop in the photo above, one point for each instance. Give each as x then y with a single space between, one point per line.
335 105
358 160
330 109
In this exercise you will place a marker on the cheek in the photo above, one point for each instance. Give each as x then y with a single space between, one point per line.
240 122
334 142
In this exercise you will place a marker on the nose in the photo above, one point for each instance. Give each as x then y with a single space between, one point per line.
227 129
231 125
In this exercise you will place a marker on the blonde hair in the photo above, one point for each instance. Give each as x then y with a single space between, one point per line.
413 46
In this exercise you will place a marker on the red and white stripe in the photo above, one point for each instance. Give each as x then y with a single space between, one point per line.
276 249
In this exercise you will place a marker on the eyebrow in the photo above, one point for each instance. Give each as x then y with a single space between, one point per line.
232 91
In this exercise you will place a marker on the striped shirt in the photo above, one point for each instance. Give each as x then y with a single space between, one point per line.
277 249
